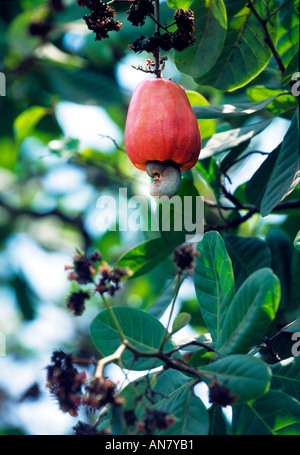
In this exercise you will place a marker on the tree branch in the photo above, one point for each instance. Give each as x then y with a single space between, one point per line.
268 39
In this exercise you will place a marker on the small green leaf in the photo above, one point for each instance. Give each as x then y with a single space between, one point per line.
141 329
246 377
25 123
214 282
285 175
250 313
181 320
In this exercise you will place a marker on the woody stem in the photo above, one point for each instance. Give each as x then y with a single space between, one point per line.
156 53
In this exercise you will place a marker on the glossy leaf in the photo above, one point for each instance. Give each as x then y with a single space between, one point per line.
232 110
245 53
146 256
141 329
214 282
221 142
273 414
286 173
292 326
282 102
293 67
174 395
210 32
256 186
250 313
247 378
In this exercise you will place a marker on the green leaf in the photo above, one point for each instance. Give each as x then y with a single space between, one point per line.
246 377
141 329
250 313
297 241
288 33
247 254
174 395
146 256
281 248
245 53
232 110
25 123
160 305
286 376
273 414
221 142
210 32
256 186
176 4
217 421
285 175
181 320
207 126
214 282
282 100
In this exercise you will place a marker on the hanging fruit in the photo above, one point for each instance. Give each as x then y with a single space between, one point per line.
162 135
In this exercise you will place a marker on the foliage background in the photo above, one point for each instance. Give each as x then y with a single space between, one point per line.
64 95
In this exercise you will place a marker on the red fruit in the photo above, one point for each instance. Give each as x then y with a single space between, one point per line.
161 125
162 128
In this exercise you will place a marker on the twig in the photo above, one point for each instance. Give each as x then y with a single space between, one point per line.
268 39
110 358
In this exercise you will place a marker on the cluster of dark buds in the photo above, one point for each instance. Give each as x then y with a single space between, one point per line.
42 27
110 279
184 257
155 420
101 19
220 395
85 429
139 10
76 302
65 382
87 270
84 268
178 40
100 393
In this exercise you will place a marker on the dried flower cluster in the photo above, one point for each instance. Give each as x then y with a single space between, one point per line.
101 18
87 270
178 40
220 395
184 257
